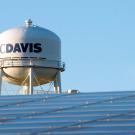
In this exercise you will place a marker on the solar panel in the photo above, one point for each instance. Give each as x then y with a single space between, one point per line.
104 113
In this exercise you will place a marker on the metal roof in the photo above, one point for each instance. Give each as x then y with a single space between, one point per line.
101 113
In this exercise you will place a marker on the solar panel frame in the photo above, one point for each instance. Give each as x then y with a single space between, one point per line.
84 113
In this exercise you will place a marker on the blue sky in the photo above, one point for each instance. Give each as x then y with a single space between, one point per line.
98 43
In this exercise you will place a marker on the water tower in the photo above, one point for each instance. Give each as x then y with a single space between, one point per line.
30 56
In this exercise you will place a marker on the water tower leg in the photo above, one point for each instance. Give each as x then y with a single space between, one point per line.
1 73
30 81
55 86
57 83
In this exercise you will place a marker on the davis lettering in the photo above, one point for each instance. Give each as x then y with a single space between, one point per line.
20 47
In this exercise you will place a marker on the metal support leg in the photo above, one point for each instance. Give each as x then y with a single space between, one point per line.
55 86
57 83
30 81
1 73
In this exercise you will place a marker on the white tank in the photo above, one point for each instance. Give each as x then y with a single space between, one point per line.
30 46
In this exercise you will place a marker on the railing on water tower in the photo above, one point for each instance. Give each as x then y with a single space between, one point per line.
31 62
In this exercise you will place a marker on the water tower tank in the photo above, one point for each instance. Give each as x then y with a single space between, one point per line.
30 51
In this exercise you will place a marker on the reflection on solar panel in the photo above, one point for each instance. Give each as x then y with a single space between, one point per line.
104 113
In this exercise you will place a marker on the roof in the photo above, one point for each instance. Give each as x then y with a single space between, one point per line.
101 113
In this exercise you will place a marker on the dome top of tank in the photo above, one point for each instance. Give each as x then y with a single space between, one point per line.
34 41
29 30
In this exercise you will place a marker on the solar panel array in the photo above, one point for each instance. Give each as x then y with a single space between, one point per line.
104 113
